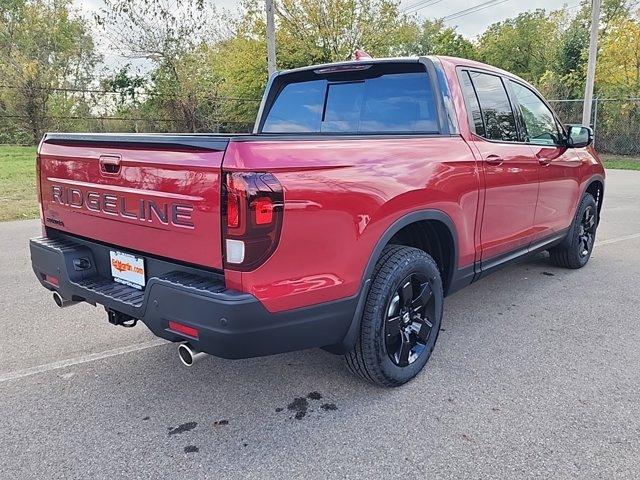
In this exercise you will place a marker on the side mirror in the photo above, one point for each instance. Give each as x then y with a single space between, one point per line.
579 136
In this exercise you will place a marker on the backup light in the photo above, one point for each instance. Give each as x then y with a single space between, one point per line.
235 251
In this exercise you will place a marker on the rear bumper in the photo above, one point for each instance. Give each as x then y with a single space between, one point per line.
230 324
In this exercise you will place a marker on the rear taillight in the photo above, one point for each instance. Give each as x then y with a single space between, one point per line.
252 210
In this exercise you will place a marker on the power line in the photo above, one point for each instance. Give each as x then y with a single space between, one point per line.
415 7
474 9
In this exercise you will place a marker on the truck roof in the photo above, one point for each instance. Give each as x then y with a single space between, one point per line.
454 61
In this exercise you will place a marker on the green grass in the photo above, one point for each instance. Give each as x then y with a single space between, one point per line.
621 162
18 197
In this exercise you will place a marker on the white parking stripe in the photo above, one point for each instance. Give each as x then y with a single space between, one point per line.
616 240
92 357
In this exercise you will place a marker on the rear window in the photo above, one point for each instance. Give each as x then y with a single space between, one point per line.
355 102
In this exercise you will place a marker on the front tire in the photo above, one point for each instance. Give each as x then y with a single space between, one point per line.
576 249
401 318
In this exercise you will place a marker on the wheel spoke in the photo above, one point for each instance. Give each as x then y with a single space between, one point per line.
425 330
405 350
407 292
423 297
393 327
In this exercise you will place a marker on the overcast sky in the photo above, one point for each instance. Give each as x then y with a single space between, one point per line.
469 25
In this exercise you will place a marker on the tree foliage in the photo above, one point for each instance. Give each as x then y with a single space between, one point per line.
44 45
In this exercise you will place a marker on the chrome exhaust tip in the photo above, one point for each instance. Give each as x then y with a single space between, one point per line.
189 356
61 302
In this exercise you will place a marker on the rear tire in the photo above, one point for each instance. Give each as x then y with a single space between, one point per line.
576 249
401 319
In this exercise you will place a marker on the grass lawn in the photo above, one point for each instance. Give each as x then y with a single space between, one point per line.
622 162
18 198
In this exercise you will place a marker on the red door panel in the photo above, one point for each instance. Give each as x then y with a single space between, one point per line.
511 183
559 188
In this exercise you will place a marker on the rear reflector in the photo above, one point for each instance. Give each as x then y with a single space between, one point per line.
183 329
50 279
233 210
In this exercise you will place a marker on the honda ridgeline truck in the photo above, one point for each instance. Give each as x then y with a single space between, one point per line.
368 191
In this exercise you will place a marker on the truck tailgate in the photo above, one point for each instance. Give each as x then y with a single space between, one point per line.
153 194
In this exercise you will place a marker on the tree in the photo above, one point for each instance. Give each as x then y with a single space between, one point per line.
434 38
618 69
331 30
46 51
526 45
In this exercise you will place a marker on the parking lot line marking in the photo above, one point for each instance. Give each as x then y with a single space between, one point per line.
92 357
616 240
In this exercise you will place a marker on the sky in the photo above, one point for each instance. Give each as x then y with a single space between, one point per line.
469 25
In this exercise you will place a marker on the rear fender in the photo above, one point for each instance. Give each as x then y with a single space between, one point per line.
349 341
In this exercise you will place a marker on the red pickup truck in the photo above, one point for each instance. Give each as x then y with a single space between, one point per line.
368 192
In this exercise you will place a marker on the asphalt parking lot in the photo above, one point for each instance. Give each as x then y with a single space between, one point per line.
536 375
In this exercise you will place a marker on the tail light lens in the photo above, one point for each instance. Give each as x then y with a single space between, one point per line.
252 210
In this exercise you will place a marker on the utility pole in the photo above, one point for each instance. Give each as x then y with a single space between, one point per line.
271 38
591 66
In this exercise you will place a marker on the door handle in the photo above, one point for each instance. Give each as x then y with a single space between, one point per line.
494 160
109 164
544 161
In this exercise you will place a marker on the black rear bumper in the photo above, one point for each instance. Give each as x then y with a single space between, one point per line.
230 324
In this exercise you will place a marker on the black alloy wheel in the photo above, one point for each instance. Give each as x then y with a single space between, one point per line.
587 231
401 319
409 322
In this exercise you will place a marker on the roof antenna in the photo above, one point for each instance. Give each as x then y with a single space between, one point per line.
361 55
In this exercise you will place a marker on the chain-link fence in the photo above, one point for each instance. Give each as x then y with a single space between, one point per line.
26 112
616 122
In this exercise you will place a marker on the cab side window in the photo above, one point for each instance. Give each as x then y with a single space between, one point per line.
495 107
540 127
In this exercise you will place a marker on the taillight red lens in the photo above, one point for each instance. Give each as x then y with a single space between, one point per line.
253 205
262 210
233 210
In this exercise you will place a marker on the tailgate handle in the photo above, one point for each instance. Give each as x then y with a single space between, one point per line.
110 164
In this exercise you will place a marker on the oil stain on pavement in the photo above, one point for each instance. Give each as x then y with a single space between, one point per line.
300 406
185 427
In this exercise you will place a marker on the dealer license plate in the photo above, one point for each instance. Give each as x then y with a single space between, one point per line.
127 269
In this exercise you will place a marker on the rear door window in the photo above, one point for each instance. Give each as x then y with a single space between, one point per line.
497 113
366 103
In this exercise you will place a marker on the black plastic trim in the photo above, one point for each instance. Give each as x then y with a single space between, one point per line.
214 142
495 263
